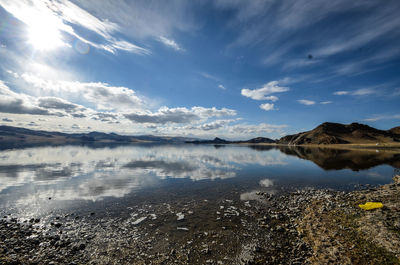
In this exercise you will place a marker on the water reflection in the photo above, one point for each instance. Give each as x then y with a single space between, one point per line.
83 173
70 173
354 159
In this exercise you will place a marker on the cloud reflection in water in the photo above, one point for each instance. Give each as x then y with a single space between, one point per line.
83 173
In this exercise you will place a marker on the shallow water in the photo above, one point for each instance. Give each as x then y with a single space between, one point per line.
41 179
172 204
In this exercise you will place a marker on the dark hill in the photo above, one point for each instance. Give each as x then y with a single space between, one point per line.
336 133
395 130
259 140
217 140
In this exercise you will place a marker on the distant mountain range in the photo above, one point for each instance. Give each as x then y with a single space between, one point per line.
15 136
326 133
217 140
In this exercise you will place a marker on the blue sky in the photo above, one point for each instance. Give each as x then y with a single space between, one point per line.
234 69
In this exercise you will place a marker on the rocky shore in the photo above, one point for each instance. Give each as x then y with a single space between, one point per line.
298 227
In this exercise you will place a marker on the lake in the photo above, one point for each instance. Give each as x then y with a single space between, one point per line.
153 192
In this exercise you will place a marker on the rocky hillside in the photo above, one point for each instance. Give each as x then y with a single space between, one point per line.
395 130
336 133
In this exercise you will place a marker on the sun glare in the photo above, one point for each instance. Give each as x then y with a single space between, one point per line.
44 36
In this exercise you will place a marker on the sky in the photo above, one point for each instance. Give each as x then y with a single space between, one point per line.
229 68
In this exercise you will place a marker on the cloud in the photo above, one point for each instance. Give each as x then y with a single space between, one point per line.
364 92
105 104
341 93
145 19
208 76
213 112
11 102
32 124
221 87
267 106
262 93
266 183
170 43
325 102
383 117
306 102
272 98
65 17
218 124
20 103
358 92
75 127
57 103
18 106
353 26
101 95
124 46
256 129
178 115
104 116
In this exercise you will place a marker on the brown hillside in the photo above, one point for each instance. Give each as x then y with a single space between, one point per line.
395 130
336 133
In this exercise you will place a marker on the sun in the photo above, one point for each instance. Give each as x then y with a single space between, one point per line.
44 36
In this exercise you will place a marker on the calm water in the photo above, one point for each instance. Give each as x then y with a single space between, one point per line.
43 179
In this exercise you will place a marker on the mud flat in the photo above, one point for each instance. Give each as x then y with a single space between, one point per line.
294 227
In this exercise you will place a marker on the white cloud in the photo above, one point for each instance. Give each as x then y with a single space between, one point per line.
262 93
383 117
100 104
213 112
170 43
167 115
341 93
101 95
63 16
21 103
11 102
145 19
306 102
256 129
364 92
358 92
266 183
325 102
208 76
221 87
267 106
272 98
213 125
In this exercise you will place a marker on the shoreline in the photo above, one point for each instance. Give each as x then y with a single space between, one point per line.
310 226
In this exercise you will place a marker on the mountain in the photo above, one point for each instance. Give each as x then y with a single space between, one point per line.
259 140
336 133
326 133
21 137
217 140
395 130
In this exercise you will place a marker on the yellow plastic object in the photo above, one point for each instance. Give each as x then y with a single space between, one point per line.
371 205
